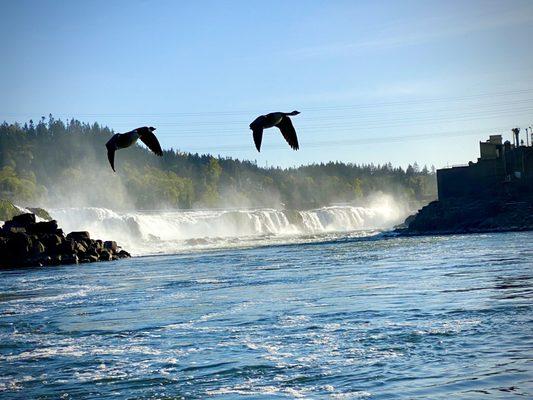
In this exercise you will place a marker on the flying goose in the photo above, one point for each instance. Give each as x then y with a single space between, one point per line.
122 140
278 119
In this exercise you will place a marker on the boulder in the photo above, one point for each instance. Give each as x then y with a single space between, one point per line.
86 243
23 220
52 241
79 248
20 243
92 252
123 254
41 213
43 227
77 236
14 229
105 255
67 246
7 210
38 247
110 245
69 259
26 243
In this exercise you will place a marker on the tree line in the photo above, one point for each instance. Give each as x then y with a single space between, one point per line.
53 162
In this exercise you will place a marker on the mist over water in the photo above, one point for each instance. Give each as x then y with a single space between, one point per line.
151 232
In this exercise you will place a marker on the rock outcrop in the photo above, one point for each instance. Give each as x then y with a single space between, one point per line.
466 215
8 210
26 243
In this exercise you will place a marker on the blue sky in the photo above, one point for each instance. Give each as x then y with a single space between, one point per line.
376 81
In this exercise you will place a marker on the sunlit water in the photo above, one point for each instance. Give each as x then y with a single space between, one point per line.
381 318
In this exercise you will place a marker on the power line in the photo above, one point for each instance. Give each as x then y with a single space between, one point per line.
220 132
316 108
310 118
364 141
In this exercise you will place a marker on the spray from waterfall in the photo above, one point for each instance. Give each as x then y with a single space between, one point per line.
174 231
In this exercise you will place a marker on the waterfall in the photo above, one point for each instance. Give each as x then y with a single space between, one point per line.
145 232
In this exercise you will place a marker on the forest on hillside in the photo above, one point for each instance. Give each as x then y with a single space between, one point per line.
57 163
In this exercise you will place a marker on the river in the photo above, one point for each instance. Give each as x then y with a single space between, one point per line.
301 311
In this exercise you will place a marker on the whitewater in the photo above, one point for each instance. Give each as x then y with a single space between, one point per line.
381 317
167 232
274 304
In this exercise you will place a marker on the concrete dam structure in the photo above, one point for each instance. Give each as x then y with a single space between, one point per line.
501 168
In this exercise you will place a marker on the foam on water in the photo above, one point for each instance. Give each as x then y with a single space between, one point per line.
418 318
171 231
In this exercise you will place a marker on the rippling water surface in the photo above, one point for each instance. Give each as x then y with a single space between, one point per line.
383 318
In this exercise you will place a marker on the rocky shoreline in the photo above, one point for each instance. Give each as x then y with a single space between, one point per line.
466 215
24 242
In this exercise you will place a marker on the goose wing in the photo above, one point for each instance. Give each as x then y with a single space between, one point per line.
111 154
149 139
258 136
288 132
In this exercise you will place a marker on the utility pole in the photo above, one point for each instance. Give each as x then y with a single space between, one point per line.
516 132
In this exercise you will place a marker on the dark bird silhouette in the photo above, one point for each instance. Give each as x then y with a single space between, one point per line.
123 140
280 120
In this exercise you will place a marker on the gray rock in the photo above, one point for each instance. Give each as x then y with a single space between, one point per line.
110 245
123 254
79 248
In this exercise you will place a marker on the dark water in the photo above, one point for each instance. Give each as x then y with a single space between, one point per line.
445 317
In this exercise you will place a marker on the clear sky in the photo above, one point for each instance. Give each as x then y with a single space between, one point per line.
375 81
